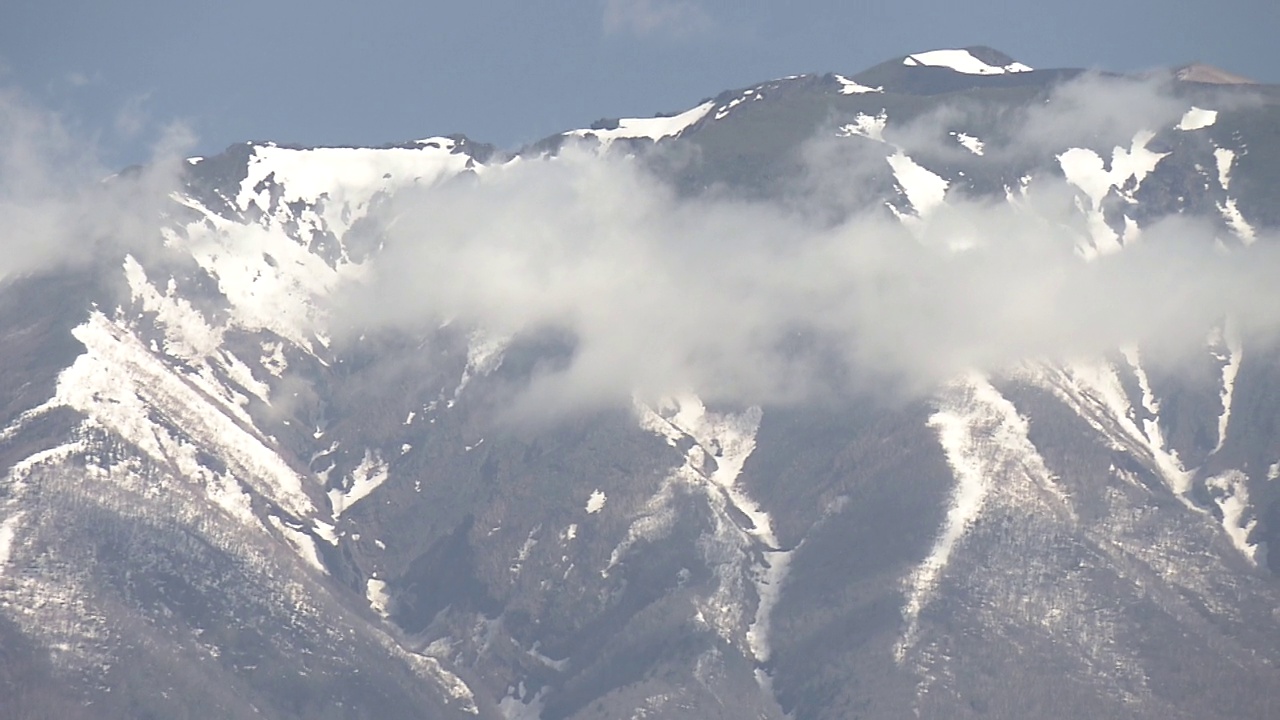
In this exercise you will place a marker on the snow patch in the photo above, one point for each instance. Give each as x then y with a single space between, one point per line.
8 529
326 532
595 503
340 183
723 111
852 87
867 126
1224 158
1086 170
272 281
303 544
367 476
1197 118
273 359
962 61
1237 223
375 591
969 142
431 668
1230 492
536 653
924 189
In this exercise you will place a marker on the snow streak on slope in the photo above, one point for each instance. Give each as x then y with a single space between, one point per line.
61 600
985 441
1151 422
962 61
722 443
1226 348
1237 223
655 128
1093 390
190 339
7 530
122 386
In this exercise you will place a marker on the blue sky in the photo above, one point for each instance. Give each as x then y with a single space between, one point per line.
324 72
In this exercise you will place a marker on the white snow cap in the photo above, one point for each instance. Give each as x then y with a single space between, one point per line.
963 61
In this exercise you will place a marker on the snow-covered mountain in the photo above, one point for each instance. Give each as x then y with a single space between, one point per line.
922 418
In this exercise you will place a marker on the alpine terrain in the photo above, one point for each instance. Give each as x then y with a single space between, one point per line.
946 389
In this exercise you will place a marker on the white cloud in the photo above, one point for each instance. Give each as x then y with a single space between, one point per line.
672 18
760 302
60 204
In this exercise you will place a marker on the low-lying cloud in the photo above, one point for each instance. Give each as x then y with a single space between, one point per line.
757 301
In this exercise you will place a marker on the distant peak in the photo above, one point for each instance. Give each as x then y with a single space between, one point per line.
978 60
1201 73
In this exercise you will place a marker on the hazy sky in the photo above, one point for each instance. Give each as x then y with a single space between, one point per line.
323 72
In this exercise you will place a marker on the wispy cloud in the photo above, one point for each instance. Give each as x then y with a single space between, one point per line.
60 204
668 18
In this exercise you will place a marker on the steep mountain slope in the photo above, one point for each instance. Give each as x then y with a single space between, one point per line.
229 493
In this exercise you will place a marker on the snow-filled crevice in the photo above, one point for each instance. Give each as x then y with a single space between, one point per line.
722 442
1227 349
1092 389
985 441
